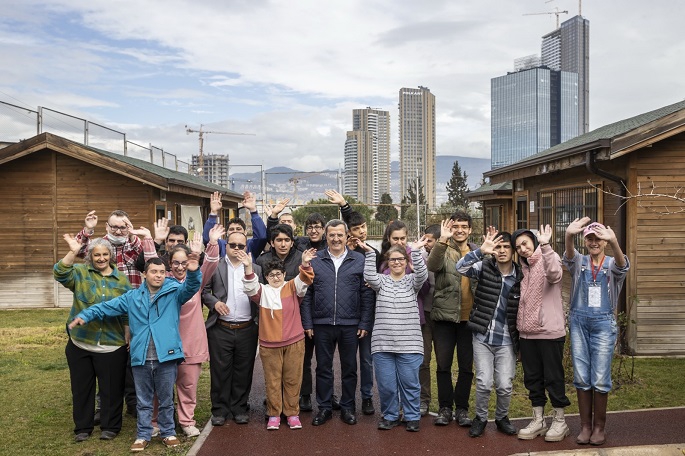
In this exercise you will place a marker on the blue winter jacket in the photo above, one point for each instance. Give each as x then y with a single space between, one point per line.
158 318
338 299
254 245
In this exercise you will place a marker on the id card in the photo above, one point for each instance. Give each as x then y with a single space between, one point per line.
595 295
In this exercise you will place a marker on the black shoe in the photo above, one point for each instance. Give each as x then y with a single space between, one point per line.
96 417
306 403
413 426
367 407
218 420
321 417
444 417
81 437
335 402
241 418
386 425
504 425
348 417
462 417
477 427
108 435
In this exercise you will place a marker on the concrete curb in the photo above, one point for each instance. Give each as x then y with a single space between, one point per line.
647 450
200 439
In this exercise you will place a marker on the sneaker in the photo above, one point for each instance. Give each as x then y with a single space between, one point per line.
81 437
294 422
444 417
477 427
171 441
190 431
505 426
413 426
155 432
386 425
274 423
423 408
461 416
139 445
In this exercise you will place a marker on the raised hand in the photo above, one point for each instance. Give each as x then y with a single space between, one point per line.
275 210
335 197
362 244
74 245
244 258
490 240
215 203
308 256
418 245
606 234
249 201
216 233
446 229
142 231
193 261
195 243
545 234
577 226
161 230
91 221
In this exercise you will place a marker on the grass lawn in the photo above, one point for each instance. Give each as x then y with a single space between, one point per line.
36 395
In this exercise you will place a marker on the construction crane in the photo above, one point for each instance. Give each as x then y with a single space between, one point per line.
201 133
296 180
557 13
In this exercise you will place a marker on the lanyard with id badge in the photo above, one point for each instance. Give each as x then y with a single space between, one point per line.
595 289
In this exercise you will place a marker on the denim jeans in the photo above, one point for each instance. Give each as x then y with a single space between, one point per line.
155 378
365 367
593 338
498 363
397 377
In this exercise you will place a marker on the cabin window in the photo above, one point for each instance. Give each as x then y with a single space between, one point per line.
560 207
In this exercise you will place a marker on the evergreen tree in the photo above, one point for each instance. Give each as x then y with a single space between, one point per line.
386 211
328 210
457 187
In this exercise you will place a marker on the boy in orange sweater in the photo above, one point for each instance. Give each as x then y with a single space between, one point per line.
281 336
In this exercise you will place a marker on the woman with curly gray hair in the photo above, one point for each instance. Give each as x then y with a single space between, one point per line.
96 350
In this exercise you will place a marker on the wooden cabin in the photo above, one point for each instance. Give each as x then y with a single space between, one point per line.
47 186
629 175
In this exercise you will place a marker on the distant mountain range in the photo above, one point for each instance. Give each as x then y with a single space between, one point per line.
282 182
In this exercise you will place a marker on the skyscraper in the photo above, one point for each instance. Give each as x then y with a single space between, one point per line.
367 155
568 49
417 141
533 109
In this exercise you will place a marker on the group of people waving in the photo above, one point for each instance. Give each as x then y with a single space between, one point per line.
138 300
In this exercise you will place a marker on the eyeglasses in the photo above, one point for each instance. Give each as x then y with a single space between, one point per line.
275 275
233 245
314 228
179 263
117 228
396 260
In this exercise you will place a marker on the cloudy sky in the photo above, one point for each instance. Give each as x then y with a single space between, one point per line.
292 71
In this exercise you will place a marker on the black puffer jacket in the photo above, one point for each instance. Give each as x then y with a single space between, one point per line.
487 297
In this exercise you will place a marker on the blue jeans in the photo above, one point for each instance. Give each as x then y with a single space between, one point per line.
593 338
397 377
365 367
155 378
498 363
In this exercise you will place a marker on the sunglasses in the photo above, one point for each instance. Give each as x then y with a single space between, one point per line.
234 245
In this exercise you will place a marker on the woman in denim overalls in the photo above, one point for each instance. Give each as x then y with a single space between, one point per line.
596 284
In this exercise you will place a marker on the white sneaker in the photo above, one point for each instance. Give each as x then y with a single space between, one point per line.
155 432
190 431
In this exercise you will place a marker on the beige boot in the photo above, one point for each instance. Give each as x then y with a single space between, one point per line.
535 427
558 430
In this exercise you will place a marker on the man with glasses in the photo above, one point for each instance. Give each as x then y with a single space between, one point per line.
231 334
166 238
313 228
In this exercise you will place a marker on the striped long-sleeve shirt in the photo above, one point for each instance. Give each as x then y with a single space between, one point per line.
397 327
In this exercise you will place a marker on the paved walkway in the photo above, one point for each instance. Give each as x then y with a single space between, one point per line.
624 429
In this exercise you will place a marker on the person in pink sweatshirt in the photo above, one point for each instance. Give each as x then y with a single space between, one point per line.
281 335
191 324
542 332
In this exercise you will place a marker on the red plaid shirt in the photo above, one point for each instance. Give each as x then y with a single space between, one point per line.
126 254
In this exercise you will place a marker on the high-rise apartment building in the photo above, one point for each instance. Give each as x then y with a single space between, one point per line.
417 141
568 49
214 168
533 109
367 155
